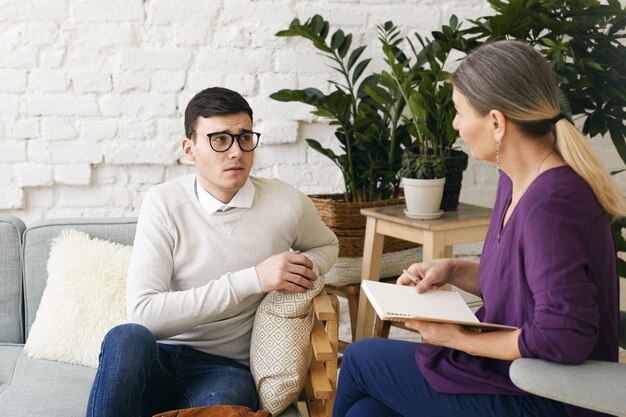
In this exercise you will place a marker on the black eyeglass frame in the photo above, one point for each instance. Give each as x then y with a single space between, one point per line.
232 139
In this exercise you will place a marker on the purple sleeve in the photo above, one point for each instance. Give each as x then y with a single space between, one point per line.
565 320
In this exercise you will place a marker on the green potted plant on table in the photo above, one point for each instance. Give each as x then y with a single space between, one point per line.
423 178
371 137
421 81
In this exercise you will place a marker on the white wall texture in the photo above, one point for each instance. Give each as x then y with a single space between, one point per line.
92 93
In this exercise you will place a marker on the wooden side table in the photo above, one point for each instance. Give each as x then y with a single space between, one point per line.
468 224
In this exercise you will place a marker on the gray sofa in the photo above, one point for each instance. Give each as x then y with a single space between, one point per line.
34 387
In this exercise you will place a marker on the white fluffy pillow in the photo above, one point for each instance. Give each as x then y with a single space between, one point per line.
85 297
280 351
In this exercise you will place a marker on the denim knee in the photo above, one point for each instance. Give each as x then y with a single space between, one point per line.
129 343
130 333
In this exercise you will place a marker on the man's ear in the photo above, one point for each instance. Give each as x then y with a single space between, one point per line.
498 124
188 149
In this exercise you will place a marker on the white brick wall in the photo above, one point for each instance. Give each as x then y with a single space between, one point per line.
92 93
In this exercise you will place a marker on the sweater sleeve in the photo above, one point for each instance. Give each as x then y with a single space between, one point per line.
313 237
565 322
151 302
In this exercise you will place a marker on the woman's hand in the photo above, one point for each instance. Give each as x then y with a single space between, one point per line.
433 274
502 344
442 334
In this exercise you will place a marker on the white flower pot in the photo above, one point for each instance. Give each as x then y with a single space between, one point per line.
423 197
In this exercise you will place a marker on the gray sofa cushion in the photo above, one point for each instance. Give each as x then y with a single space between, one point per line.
35 387
37 240
42 388
11 317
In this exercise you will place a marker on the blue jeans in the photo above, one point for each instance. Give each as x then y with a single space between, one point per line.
380 378
137 376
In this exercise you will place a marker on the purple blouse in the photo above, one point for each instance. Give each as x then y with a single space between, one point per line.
551 271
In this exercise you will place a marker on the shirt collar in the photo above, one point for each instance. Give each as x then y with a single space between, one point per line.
243 198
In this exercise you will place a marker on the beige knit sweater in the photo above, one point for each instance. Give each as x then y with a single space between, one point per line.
191 278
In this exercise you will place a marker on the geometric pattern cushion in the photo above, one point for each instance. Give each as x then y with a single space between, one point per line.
280 351
83 299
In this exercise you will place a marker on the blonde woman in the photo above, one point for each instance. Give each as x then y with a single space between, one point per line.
548 265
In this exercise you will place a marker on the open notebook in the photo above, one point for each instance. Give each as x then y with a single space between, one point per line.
399 303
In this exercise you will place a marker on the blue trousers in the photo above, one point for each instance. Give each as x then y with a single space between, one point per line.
380 378
137 376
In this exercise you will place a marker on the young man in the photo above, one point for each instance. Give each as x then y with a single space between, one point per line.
207 249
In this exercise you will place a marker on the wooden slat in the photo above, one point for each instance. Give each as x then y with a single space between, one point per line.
322 349
323 308
319 381
332 330
315 409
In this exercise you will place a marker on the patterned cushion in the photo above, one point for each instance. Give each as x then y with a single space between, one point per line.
280 352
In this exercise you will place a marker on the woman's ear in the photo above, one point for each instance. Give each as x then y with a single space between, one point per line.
498 123
188 149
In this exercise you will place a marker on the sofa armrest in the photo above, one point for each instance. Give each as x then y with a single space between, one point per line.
599 386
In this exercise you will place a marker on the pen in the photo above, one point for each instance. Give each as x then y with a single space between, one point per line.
415 279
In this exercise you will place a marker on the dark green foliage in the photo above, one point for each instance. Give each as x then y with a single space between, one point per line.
368 125
367 110
421 166
584 42
421 81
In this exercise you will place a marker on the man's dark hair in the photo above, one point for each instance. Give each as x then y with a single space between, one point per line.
214 101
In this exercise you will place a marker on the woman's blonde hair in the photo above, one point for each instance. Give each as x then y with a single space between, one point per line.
515 79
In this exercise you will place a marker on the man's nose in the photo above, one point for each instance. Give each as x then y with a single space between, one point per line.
235 149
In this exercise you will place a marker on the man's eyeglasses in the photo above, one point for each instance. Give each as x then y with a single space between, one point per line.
222 141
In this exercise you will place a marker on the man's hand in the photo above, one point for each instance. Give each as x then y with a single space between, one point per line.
286 272
433 274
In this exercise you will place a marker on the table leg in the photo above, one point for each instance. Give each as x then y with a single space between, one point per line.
434 248
372 256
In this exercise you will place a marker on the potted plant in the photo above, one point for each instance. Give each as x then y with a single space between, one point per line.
371 136
423 178
368 126
421 81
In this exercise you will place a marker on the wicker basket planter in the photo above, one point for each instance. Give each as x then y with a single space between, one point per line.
346 220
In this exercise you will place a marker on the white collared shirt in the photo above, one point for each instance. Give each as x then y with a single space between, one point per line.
243 198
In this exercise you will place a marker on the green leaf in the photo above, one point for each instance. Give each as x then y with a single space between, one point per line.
358 70
337 39
354 56
345 46
381 96
617 131
324 30
454 22
308 95
316 23
324 151
564 104
417 105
